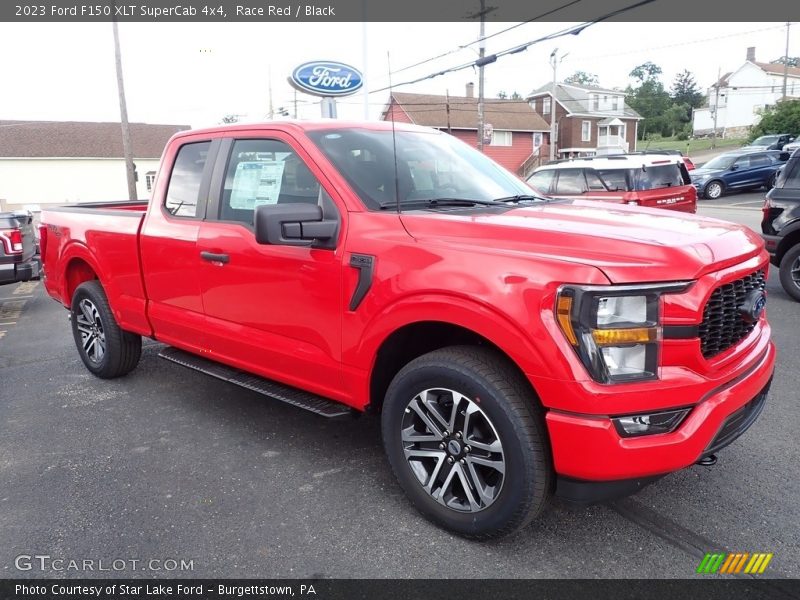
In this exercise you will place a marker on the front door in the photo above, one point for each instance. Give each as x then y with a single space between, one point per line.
273 310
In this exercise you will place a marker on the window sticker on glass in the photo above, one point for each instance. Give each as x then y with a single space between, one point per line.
256 183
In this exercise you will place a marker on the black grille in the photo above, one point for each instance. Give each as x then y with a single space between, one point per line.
723 325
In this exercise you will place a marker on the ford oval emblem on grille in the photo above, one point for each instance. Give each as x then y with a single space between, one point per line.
753 305
327 78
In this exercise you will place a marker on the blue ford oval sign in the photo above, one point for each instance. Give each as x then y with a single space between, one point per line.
326 78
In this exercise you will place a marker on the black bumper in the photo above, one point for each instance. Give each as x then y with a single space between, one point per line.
771 242
23 271
579 491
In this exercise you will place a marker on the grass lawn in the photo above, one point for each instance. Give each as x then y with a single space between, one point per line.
689 146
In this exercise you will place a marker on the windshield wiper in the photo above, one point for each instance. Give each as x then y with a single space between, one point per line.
522 198
435 202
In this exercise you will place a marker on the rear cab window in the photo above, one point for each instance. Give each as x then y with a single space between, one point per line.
656 177
183 190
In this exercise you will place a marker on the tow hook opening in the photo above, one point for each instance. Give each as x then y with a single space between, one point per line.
708 461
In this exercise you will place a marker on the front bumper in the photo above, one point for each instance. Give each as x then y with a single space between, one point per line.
588 447
24 271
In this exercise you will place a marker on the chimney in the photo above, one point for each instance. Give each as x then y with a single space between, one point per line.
470 90
751 54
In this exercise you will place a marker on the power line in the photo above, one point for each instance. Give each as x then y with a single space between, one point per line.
486 37
574 30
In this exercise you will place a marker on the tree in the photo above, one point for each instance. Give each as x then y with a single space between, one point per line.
685 90
514 95
502 95
781 118
650 99
582 78
792 61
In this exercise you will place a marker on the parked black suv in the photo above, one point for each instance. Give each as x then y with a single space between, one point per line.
19 260
780 226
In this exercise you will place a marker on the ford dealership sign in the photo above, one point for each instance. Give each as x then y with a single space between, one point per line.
325 78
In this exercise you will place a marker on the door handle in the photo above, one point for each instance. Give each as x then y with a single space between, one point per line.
215 257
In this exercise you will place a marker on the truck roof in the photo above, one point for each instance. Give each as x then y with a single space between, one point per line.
314 125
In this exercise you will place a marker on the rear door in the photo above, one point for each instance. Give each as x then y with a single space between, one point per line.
168 245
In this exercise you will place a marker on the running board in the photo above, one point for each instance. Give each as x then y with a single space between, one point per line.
273 389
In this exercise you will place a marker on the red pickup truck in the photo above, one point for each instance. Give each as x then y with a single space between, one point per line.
515 347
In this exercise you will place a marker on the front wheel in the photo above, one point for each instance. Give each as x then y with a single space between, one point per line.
790 272
466 440
713 190
106 350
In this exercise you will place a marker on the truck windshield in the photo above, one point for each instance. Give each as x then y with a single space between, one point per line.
430 166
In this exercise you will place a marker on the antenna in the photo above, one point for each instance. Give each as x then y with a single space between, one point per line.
394 136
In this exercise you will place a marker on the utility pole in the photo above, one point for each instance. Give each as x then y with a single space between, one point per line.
447 108
716 108
127 148
554 62
295 103
786 62
482 53
269 91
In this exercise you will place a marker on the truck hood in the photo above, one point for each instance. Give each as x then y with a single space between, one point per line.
629 244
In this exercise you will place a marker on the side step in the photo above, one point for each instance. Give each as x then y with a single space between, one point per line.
273 389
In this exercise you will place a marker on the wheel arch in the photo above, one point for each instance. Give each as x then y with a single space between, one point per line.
721 183
788 241
416 326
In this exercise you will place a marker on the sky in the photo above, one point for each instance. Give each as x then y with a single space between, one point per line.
196 73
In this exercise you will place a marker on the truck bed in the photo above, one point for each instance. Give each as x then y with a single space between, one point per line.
111 230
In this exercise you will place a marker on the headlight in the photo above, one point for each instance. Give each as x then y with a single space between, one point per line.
615 330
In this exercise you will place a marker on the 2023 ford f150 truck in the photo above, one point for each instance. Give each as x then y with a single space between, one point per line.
515 347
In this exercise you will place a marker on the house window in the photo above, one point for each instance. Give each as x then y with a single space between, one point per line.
501 138
586 131
545 106
150 179
595 102
615 103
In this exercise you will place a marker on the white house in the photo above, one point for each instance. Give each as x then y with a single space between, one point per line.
53 162
743 95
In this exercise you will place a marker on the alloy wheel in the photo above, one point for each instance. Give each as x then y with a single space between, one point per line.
794 271
90 326
714 190
453 449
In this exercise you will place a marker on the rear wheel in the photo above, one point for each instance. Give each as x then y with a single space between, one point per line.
466 440
106 350
790 272
713 190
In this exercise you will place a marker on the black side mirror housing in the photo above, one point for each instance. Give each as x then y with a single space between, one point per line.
294 224
734 167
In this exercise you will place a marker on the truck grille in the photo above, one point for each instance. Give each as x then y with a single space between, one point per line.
723 325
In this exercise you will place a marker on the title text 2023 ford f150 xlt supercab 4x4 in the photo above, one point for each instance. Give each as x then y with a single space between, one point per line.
514 347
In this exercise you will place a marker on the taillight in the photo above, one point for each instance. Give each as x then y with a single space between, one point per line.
12 240
43 241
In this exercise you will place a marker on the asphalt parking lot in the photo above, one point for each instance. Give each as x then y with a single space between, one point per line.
168 464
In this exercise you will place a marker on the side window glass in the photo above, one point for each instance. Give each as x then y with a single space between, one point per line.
593 181
264 172
615 180
542 180
743 162
760 160
184 181
570 181
791 175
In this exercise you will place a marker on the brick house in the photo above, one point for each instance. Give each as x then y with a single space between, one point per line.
517 132
589 120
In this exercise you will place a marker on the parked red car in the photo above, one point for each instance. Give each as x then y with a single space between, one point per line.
651 180
514 347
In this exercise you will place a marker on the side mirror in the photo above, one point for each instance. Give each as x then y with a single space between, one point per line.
734 167
295 224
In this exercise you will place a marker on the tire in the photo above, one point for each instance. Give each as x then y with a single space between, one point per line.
105 349
771 181
713 190
503 448
790 272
